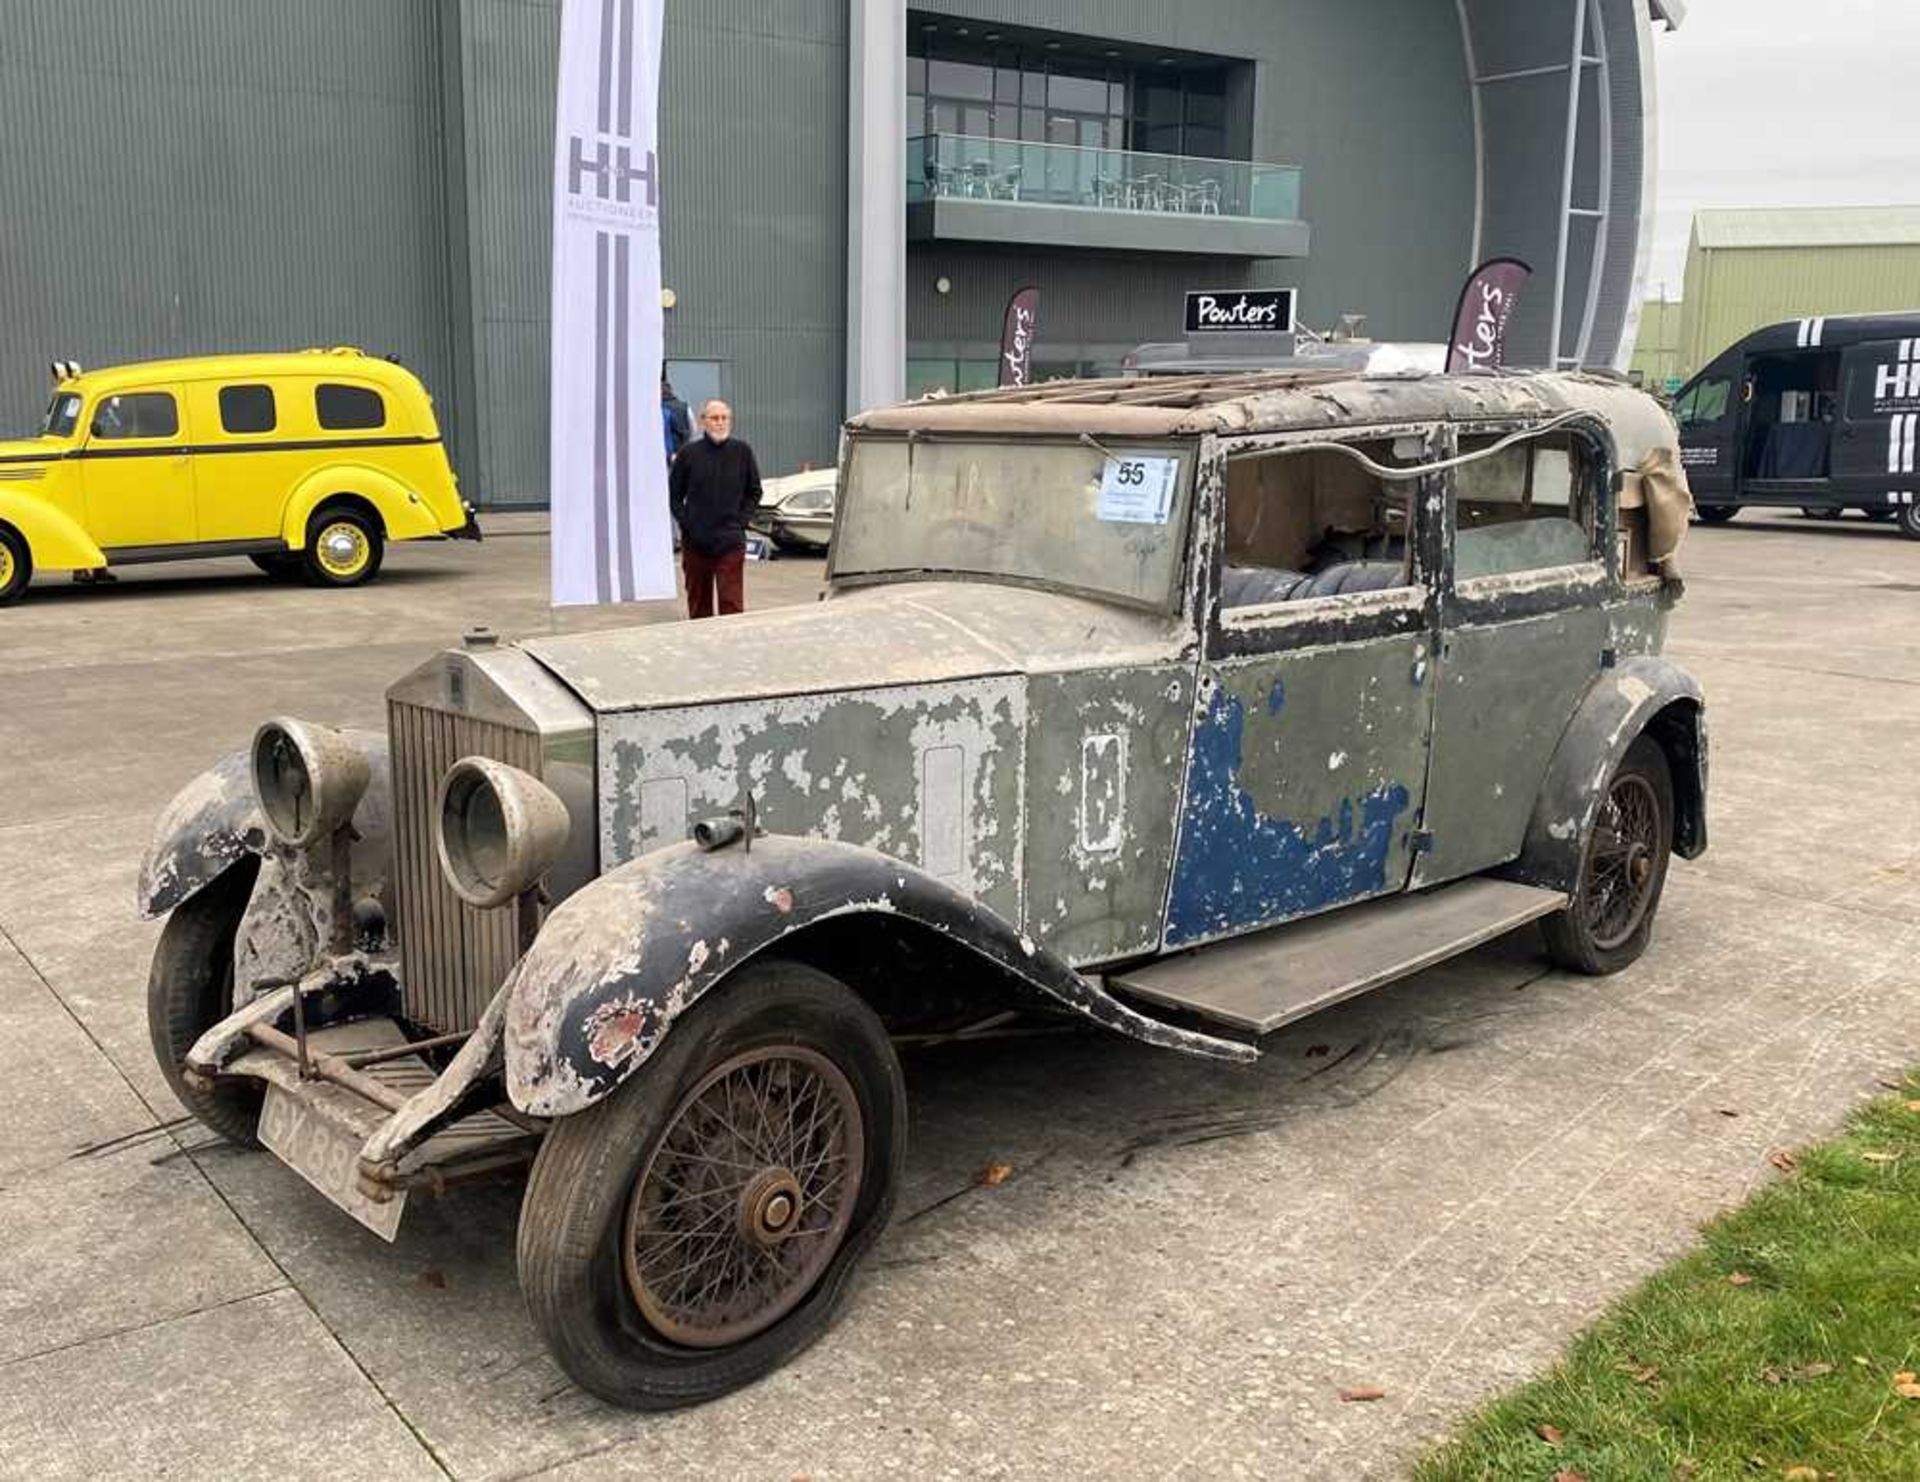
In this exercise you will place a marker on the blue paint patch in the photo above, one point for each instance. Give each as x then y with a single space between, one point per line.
1237 868
1277 697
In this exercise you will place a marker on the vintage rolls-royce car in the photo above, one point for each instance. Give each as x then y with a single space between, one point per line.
1177 708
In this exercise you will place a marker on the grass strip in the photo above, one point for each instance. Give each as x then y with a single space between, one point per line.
1786 1346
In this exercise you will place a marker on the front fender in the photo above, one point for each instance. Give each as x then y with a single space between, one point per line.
213 821
54 538
405 514
618 961
1643 695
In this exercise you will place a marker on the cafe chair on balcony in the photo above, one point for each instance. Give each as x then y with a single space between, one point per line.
1205 197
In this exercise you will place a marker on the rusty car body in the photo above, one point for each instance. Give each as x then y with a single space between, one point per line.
1179 708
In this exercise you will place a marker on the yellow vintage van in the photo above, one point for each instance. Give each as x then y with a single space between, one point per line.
307 462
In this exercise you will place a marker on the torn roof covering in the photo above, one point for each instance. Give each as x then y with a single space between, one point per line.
1250 403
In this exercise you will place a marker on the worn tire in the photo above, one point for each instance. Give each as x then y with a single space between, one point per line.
16 566
190 989
280 565
348 524
1571 939
1909 521
573 1222
1715 514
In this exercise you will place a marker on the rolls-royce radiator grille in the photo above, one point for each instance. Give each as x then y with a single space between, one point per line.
452 956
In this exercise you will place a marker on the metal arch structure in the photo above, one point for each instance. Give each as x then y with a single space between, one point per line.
1565 118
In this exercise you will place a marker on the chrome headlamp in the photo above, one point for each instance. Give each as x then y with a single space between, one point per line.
497 830
307 779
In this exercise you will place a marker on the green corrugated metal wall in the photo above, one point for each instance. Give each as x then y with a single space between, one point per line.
1656 353
1732 291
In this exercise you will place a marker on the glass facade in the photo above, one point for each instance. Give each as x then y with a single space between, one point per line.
1045 89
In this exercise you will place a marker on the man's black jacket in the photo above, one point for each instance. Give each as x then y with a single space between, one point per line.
712 490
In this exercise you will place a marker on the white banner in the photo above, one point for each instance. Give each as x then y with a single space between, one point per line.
612 540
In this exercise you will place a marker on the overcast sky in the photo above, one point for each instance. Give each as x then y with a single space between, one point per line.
1784 103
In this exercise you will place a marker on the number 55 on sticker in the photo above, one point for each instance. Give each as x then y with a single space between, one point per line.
1138 489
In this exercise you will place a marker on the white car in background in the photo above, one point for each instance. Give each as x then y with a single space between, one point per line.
796 510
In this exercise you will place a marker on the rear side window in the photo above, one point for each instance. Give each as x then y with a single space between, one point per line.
1525 508
136 414
346 408
247 409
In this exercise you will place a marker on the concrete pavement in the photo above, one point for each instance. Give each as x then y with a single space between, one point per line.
1428 1190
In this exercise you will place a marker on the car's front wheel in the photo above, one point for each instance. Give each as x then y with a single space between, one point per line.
1610 919
1910 521
697 1229
16 566
190 989
344 548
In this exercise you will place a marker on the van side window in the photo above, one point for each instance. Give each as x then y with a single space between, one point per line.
1706 402
345 408
1524 508
1312 524
247 409
136 414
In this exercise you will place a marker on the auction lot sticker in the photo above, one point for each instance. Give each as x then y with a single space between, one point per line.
1138 489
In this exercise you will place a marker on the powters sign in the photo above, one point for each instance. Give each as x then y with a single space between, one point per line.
1238 310
1016 337
1486 305
611 538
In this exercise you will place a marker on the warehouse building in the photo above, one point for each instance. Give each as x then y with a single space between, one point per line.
1749 269
851 189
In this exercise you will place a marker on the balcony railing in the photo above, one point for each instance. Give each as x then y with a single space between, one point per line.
968 167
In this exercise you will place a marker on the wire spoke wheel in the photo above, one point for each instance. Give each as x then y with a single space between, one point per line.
746 1197
1621 864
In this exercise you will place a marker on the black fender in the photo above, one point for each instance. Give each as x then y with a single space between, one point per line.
618 961
1642 695
213 822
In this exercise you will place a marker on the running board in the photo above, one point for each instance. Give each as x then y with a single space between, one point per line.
1287 972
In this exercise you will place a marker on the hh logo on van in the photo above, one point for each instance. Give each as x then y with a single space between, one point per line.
1896 387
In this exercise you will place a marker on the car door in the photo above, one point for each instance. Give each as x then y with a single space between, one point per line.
1523 633
1708 413
1874 456
1314 698
138 474
242 481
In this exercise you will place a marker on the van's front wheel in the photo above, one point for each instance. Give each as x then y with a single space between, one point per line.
1910 521
697 1229
343 548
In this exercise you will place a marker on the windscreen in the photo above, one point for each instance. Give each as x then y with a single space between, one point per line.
62 412
1109 520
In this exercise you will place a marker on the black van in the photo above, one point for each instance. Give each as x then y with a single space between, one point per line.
1814 414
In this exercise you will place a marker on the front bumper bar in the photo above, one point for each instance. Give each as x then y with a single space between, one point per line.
357 1071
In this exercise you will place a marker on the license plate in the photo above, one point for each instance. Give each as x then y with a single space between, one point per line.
325 1157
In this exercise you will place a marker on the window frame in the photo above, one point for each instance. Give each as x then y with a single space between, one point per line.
273 408
1520 594
1347 617
379 397
92 416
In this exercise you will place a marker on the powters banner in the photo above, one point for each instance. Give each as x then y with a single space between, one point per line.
612 539
1486 305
